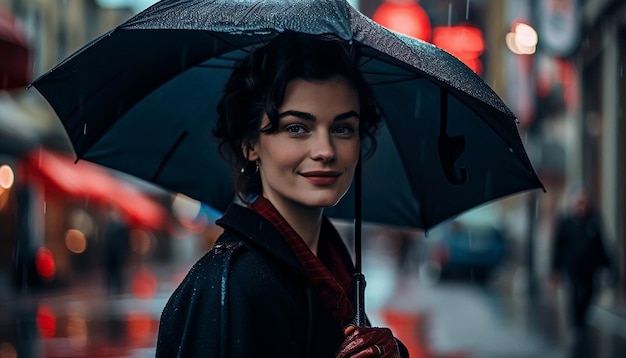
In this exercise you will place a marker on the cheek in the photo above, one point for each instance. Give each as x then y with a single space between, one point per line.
278 158
351 152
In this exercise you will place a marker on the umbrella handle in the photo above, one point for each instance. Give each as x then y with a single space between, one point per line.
358 279
450 149
358 285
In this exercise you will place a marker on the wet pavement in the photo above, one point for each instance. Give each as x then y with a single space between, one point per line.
497 319
84 320
454 318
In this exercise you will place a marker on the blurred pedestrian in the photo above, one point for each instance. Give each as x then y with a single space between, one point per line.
277 283
579 253
405 242
116 250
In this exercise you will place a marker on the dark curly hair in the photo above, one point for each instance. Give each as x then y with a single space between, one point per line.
257 87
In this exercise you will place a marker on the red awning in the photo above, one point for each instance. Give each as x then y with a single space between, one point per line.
58 173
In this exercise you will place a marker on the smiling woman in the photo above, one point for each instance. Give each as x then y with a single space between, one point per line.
310 160
292 121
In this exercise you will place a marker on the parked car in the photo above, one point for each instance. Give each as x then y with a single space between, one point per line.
470 246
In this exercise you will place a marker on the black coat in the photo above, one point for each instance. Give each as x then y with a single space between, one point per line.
270 307
579 246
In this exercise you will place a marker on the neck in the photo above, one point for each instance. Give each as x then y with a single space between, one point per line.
306 221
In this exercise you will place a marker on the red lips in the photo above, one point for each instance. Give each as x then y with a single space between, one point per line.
321 177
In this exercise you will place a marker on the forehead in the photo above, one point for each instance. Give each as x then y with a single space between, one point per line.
331 94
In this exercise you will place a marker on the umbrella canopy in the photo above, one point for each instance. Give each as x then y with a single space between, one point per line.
142 99
15 61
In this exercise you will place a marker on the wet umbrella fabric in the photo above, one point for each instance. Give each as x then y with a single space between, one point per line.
142 99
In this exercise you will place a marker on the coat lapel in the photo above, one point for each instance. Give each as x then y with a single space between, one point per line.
260 233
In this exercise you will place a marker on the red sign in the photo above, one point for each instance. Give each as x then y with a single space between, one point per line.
405 17
465 42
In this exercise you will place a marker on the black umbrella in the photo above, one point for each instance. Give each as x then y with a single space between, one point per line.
142 98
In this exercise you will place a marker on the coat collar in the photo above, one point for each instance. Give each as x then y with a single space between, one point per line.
259 232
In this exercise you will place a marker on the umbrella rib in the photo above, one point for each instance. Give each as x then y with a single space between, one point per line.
223 67
392 82
232 44
370 58
393 62
225 56
168 155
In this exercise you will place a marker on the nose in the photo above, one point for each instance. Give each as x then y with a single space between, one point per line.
323 148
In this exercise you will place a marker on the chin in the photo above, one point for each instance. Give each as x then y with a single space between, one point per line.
325 202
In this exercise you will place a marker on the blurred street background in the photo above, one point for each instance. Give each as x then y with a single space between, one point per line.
89 257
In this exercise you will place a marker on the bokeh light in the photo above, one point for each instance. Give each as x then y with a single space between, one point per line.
185 208
525 36
522 40
81 220
7 176
77 331
46 322
75 241
188 213
140 326
405 17
144 284
44 261
466 42
141 241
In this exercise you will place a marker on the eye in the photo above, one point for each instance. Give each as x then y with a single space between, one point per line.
344 130
295 128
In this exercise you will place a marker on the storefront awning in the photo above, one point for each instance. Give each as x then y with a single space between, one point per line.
58 174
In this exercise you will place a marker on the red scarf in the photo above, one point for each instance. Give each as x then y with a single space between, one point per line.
329 276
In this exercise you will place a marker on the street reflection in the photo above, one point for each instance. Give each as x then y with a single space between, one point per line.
143 284
456 317
46 321
97 284
74 322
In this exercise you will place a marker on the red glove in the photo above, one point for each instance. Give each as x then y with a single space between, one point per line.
362 342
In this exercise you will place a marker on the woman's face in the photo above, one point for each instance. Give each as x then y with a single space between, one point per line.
310 160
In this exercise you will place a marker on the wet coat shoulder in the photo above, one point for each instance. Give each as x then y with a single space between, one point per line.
249 294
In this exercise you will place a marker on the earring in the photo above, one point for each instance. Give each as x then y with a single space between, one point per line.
247 171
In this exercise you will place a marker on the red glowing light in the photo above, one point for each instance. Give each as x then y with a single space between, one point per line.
44 261
140 327
144 284
465 42
46 322
405 17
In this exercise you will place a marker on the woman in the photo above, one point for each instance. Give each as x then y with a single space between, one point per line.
278 281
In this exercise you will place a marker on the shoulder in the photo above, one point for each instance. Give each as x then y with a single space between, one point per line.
246 266
209 279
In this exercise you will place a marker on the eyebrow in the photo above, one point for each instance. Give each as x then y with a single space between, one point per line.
309 117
